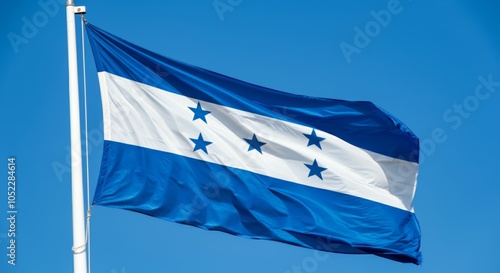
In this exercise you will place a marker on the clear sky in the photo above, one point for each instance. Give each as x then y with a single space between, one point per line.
433 64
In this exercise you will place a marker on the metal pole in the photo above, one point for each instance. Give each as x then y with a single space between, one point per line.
78 210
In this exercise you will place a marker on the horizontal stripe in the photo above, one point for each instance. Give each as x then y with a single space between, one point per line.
214 197
360 123
145 116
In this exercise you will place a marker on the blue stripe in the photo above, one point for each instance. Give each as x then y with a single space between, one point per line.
360 123
239 202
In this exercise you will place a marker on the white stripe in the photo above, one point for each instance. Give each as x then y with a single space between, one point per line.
149 117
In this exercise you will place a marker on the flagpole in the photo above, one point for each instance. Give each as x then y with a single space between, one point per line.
78 210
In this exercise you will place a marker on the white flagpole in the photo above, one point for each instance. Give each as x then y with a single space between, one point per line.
78 210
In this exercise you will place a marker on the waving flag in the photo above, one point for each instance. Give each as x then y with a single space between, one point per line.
192 146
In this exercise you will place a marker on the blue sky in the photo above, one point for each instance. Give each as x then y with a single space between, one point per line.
434 64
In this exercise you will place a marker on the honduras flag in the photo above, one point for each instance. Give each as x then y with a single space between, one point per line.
192 146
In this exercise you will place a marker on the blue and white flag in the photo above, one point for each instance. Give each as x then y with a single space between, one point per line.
196 147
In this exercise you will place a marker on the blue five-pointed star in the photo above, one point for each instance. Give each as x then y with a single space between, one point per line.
255 144
200 144
315 169
314 139
199 113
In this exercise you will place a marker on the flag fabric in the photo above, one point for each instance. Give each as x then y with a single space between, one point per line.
192 146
